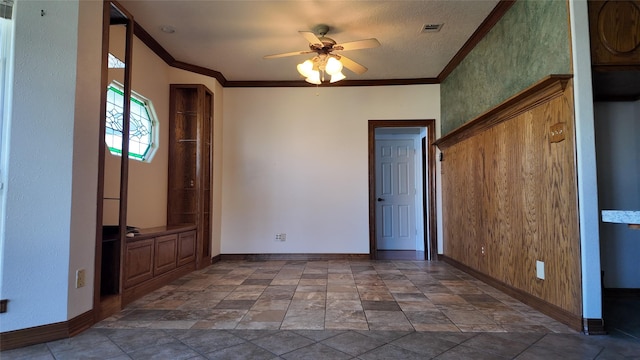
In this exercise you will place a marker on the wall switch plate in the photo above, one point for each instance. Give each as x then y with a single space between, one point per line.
540 270
80 278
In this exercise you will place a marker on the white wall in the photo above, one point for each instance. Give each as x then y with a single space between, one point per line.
295 161
38 213
618 153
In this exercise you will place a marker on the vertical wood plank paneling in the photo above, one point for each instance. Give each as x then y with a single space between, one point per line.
507 189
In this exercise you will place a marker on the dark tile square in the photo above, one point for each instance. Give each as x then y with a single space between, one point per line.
245 351
133 339
361 268
390 352
175 350
410 297
496 345
479 298
316 352
218 271
235 304
435 289
462 352
145 315
424 343
257 282
381 305
283 342
353 343
204 341
445 277
295 262
314 276
184 315
384 276
319 335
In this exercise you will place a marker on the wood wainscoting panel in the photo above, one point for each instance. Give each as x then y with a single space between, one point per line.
510 196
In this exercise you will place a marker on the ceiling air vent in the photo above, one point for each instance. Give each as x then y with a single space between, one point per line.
427 28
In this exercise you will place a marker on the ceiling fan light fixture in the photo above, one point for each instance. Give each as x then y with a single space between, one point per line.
337 77
314 78
333 66
326 61
306 68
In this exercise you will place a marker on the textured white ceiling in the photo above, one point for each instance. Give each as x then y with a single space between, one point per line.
232 36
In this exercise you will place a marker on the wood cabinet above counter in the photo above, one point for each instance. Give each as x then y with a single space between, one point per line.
614 30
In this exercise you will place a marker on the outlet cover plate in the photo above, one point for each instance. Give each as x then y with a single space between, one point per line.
540 269
80 278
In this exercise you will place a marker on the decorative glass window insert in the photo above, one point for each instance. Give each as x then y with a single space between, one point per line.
141 125
114 62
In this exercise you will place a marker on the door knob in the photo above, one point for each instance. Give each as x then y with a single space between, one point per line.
380 199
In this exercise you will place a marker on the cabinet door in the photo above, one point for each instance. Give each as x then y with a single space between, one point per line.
186 247
138 262
615 32
165 254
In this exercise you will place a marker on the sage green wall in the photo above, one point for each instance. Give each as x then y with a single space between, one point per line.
530 42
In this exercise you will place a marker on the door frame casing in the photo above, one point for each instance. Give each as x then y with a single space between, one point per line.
430 186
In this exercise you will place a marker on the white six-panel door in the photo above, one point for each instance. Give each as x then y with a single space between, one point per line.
395 190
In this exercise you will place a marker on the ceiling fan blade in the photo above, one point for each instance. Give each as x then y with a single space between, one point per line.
311 38
360 44
275 56
352 65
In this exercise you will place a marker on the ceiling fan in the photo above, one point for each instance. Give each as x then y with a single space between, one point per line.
326 59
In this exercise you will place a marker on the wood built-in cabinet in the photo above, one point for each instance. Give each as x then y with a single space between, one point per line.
156 256
614 30
190 152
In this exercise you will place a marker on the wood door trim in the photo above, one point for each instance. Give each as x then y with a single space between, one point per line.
430 124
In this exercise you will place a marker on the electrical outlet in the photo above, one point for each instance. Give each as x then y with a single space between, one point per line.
281 237
80 278
540 269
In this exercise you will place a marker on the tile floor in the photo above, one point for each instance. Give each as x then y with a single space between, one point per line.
330 310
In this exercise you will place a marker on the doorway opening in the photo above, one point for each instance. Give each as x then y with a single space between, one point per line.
402 214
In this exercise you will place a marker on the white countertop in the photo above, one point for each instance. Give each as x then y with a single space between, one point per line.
621 216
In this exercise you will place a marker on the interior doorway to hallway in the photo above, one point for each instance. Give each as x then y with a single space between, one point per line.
402 189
